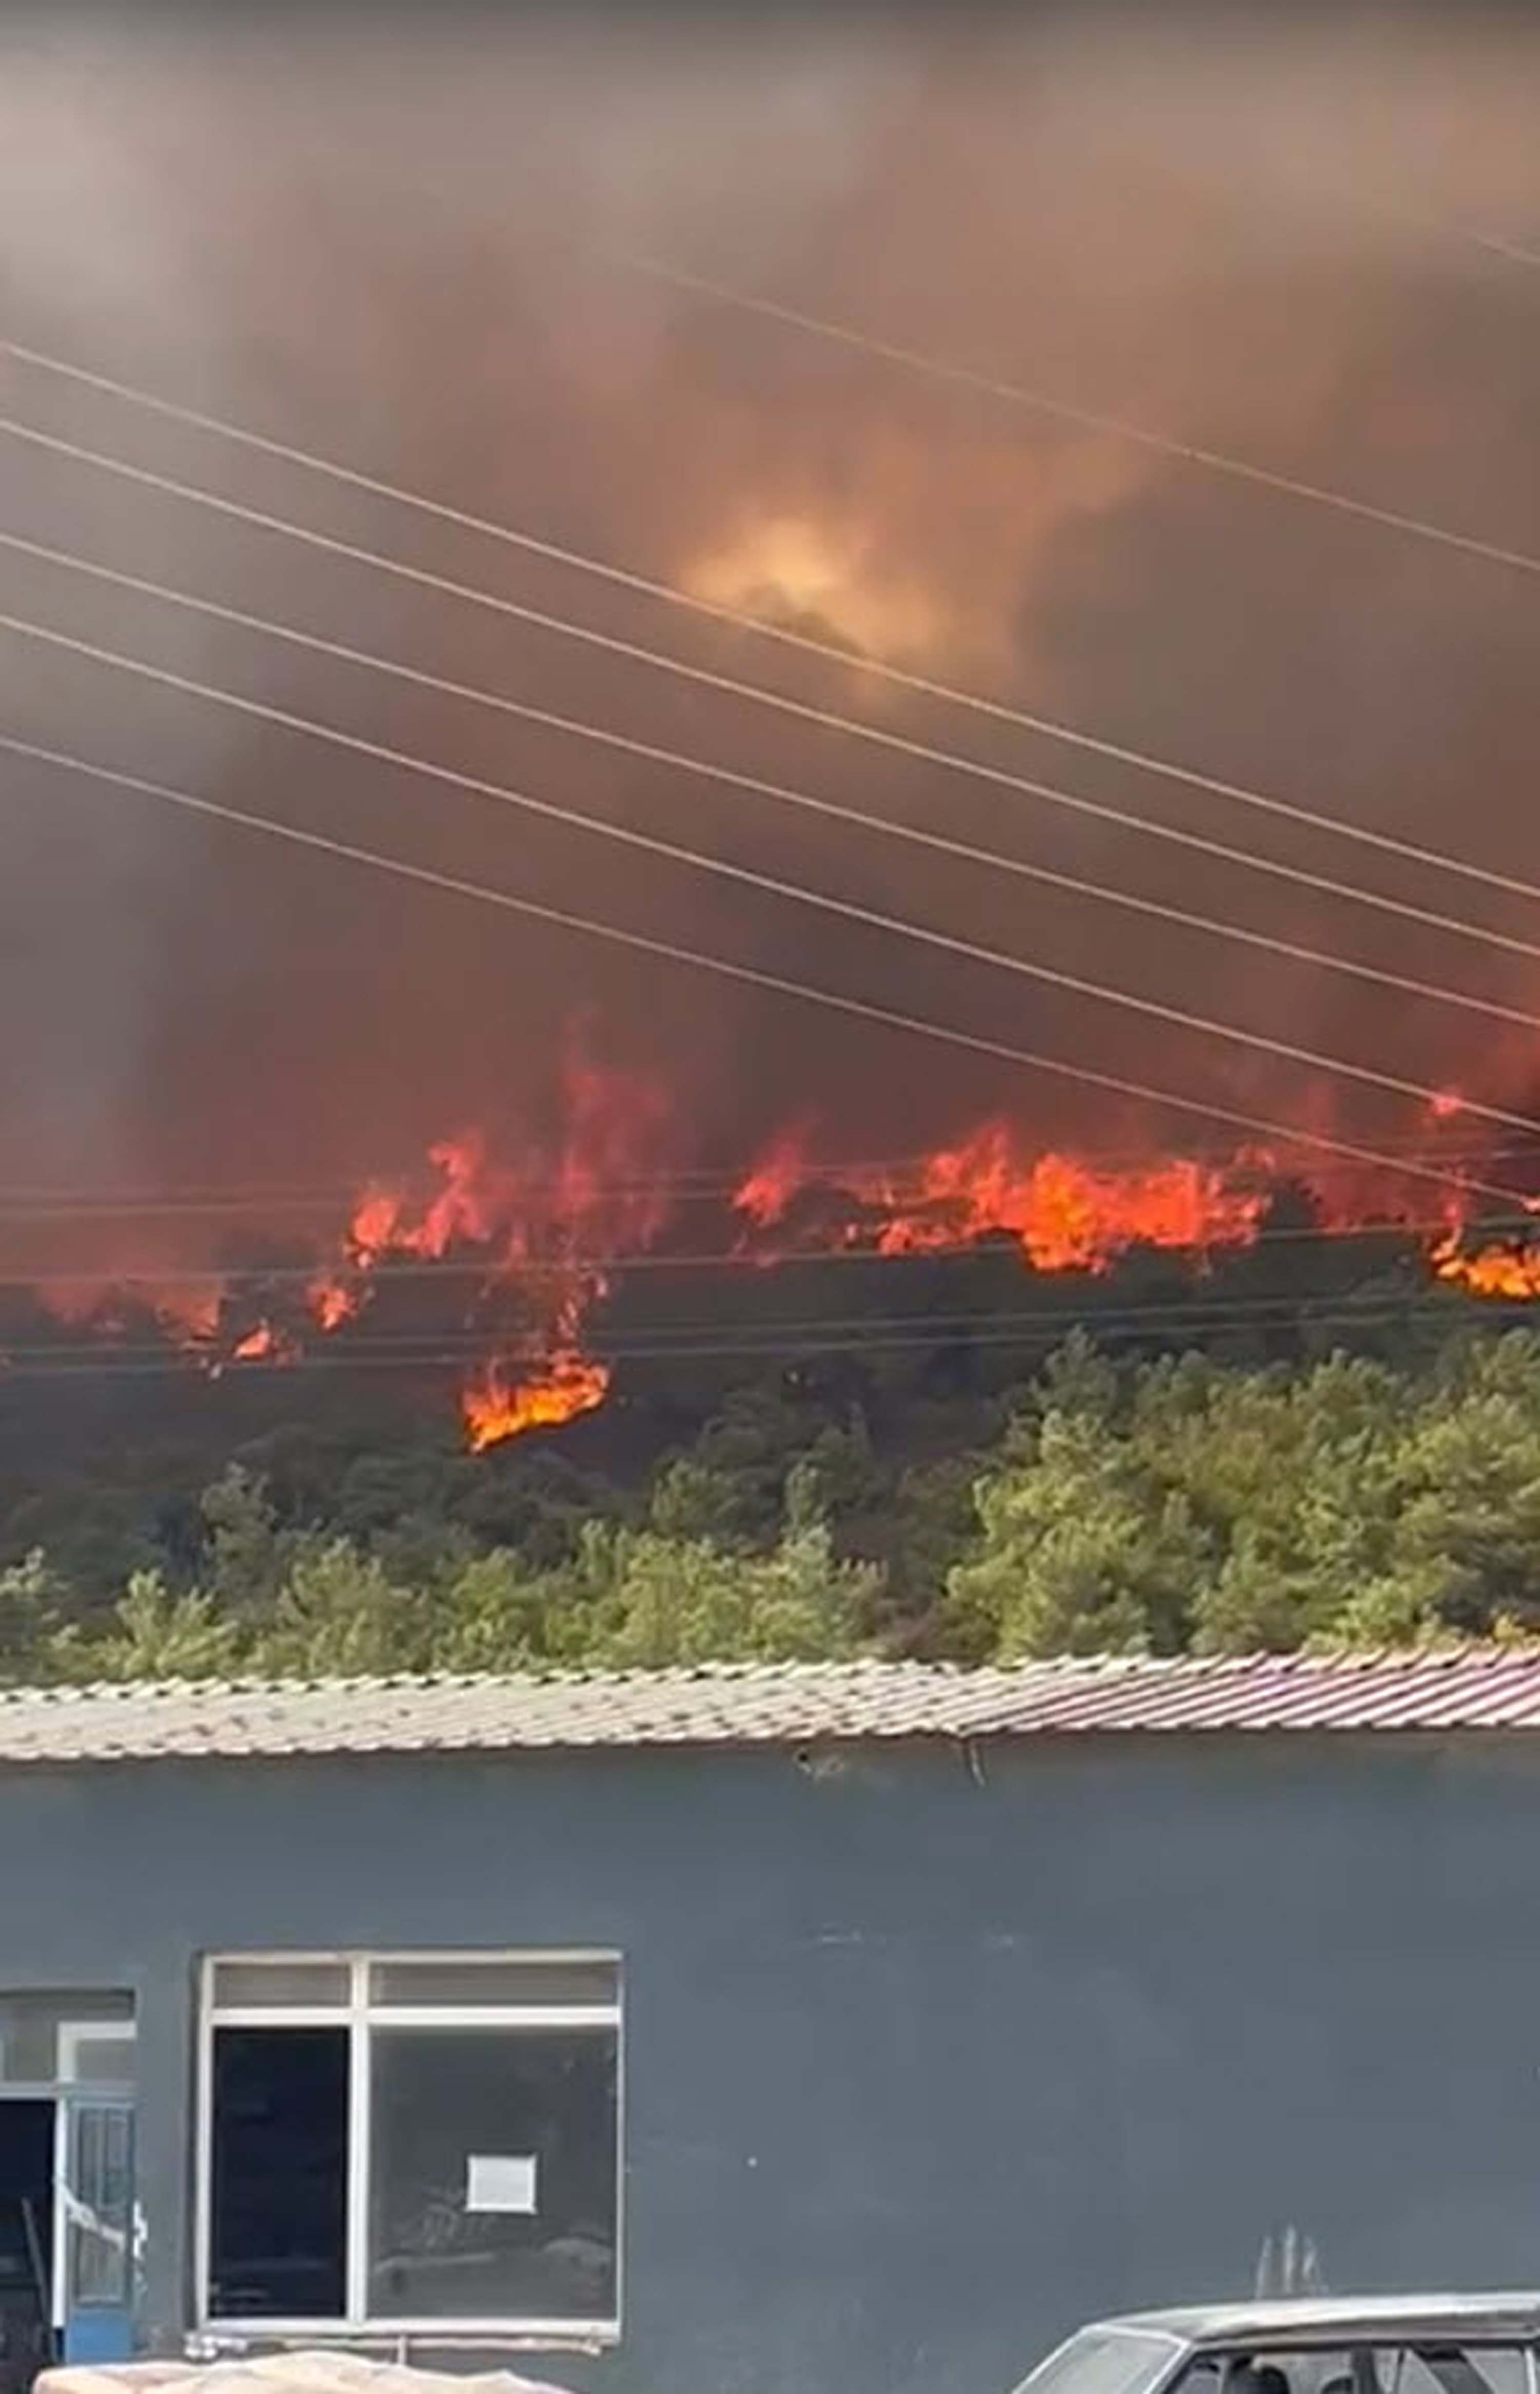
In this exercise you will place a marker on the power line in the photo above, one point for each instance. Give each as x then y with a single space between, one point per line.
779 793
530 1352
751 976
998 1242
826 719
1113 426
1501 246
412 1186
1434 1310
476 1341
648 587
666 1337
769 885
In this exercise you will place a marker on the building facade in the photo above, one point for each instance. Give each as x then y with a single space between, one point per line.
849 2031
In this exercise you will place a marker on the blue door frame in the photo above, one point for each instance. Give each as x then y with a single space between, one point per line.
94 2256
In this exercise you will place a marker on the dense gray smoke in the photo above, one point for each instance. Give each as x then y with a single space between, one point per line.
417 253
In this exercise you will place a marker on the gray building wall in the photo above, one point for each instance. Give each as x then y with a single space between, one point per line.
925 2061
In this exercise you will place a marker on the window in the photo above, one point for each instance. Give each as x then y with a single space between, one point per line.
96 2053
411 2142
49 2035
1448 2368
1105 2360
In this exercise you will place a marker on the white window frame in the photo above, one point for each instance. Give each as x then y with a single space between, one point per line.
358 2015
71 2034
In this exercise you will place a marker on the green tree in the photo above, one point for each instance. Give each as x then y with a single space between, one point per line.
247 1553
338 1614
33 1605
685 1600
156 1634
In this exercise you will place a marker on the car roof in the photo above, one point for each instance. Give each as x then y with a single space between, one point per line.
1309 2319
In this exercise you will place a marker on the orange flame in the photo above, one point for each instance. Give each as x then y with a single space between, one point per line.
264 1344
332 1302
540 1229
1065 1214
493 1408
1510 1270
764 1194
530 1249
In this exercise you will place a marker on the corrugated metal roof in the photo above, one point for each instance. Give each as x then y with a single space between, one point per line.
1450 1688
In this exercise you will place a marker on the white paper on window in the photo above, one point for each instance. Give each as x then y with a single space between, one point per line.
500 2182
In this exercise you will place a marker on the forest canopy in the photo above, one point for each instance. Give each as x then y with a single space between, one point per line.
1161 1504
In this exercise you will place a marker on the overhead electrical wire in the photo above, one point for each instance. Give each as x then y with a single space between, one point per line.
518 1349
994 1242
670 594
1499 244
769 885
779 793
412 1185
1116 428
1432 1310
823 719
514 1344
753 976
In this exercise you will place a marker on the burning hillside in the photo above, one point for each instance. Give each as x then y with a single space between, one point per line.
502 1265
1162 397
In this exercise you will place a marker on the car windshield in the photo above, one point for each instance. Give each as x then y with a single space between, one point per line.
1104 2361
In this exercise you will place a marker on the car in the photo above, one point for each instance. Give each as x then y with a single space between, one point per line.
1400 2344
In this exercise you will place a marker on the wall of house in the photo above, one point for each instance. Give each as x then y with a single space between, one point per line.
925 2061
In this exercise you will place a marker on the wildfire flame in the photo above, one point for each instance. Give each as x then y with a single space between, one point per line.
1510 1269
265 1343
530 1249
1065 1214
537 1228
331 1303
493 1408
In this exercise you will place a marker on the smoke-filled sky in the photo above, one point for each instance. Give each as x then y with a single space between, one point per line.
412 251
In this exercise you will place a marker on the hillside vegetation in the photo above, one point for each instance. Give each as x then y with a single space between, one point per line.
1164 1504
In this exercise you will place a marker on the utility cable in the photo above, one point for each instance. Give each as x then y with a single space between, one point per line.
753 976
1116 428
769 885
647 585
779 793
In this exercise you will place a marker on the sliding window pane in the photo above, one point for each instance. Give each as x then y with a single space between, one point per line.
279 2212
493 2168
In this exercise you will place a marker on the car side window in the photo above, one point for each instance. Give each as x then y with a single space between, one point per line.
1455 2369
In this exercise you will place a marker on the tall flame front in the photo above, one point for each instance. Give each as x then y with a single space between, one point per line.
521 1255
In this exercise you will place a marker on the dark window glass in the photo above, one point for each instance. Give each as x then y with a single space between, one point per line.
1362 2369
493 2168
280 2188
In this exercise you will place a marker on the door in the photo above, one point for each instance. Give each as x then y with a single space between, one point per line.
96 2202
